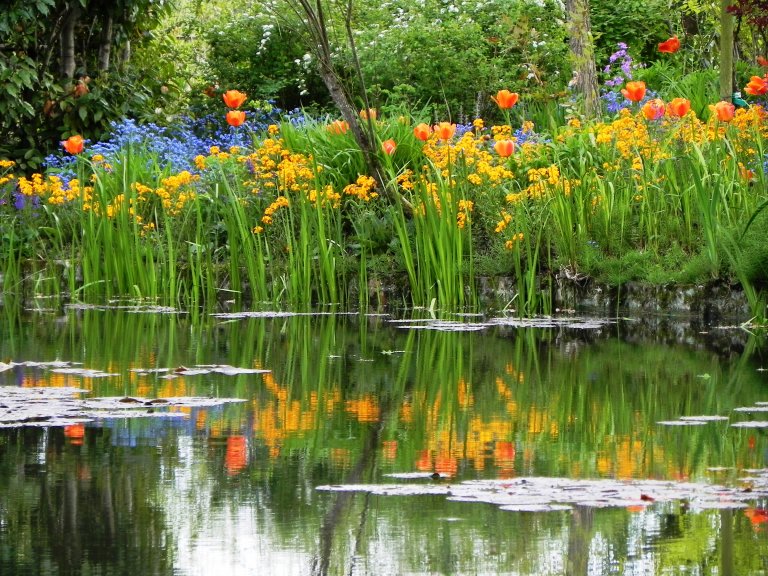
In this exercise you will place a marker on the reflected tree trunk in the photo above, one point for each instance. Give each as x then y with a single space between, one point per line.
343 501
726 543
579 536
108 507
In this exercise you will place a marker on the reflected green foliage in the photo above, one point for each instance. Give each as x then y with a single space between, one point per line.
351 399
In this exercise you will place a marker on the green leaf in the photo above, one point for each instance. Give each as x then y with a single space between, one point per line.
83 113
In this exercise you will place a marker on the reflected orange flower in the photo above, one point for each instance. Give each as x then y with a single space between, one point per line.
75 433
234 98
236 457
424 462
504 454
365 410
757 517
389 449
446 465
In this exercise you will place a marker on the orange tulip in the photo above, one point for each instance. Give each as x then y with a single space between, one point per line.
504 148
445 130
670 46
422 132
338 127
505 99
762 61
723 110
234 98
634 91
757 86
654 109
679 107
235 118
371 112
389 146
74 144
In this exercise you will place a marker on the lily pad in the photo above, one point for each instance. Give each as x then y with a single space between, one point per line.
83 372
64 406
681 422
556 494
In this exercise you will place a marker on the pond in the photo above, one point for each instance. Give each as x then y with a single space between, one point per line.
369 444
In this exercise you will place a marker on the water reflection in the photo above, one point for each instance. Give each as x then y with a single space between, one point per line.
350 399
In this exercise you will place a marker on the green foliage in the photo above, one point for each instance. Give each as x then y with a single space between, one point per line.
641 24
418 55
39 105
261 56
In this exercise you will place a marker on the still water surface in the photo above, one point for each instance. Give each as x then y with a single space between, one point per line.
349 399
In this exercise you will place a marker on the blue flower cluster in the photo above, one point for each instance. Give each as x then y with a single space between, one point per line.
530 136
625 67
173 147
615 102
619 71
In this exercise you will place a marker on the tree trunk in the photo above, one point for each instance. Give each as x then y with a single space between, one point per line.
125 55
316 25
106 43
67 43
579 29
349 113
726 52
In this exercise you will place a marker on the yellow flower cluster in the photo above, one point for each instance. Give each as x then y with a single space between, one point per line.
629 136
364 188
6 165
512 242
326 197
542 183
52 190
177 191
280 202
464 208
